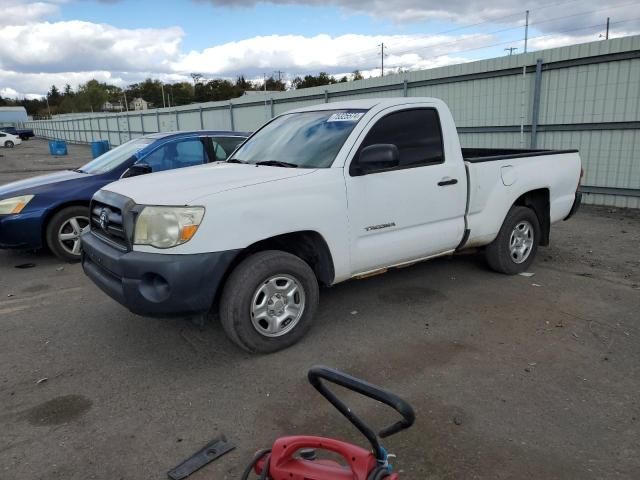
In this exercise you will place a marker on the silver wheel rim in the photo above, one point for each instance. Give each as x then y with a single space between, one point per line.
277 305
521 242
69 234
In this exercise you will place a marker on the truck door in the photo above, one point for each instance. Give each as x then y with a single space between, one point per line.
411 210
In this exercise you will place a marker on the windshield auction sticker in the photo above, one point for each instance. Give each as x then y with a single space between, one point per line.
345 117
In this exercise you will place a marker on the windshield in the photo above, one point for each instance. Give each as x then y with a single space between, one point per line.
113 158
306 139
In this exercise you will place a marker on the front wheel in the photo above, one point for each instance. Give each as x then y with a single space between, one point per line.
64 230
269 302
8 144
516 245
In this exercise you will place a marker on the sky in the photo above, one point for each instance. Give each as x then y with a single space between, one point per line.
125 41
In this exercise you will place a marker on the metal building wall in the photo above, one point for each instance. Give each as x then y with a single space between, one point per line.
583 96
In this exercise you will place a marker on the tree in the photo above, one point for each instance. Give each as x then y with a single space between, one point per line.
54 95
275 85
244 84
217 90
356 75
91 96
182 93
323 78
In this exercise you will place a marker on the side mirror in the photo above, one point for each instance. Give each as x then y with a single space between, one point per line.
137 169
379 156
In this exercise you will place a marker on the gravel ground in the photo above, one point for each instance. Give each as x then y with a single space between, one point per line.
511 377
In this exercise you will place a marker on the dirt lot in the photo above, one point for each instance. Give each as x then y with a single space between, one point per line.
511 377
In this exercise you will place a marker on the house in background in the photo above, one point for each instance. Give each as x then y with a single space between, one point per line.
139 104
112 107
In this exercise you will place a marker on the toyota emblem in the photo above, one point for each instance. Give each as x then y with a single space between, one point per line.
104 219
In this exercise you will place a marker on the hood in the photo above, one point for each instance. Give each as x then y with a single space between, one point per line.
31 185
181 187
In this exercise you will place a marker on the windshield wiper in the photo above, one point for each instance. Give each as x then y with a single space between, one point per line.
277 163
235 160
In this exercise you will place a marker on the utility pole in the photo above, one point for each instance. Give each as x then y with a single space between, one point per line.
526 31
48 107
606 35
511 50
279 73
264 82
163 102
382 47
126 104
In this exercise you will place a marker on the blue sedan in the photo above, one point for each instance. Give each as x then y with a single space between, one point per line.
53 210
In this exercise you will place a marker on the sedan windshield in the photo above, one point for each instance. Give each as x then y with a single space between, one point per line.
116 157
305 140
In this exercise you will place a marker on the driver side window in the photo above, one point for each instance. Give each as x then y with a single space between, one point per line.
416 133
185 153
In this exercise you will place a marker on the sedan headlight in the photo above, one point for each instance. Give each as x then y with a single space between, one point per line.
14 205
166 227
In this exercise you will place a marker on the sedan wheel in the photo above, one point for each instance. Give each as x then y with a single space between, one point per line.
8 144
69 234
64 231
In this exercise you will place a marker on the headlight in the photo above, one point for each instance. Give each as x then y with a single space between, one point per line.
14 205
166 227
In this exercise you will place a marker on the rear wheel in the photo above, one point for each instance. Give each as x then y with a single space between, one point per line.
8 144
515 247
64 230
269 301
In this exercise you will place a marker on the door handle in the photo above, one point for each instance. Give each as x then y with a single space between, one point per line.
447 181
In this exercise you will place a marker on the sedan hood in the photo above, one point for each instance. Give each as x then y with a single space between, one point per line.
30 185
183 186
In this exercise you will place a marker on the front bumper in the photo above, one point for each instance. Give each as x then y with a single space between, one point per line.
576 205
155 284
23 231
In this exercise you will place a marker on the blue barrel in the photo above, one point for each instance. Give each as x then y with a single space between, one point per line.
52 144
59 148
107 147
97 148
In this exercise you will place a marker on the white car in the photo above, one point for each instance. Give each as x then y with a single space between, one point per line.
9 141
317 196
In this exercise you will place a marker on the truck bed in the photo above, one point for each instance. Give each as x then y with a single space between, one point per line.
477 155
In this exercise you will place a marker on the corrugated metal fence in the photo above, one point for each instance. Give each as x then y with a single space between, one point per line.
583 96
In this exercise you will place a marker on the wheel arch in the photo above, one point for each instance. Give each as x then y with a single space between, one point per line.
308 245
538 201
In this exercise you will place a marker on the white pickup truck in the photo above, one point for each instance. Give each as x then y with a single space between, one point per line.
317 196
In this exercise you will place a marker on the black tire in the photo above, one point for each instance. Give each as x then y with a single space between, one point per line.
8 144
244 283
498 253
59 248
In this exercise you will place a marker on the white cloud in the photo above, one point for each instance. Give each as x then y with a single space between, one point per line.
297 54
83 46
21 12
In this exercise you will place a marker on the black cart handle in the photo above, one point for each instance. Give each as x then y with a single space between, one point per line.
318 373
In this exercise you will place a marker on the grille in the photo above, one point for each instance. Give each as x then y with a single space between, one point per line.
106 222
